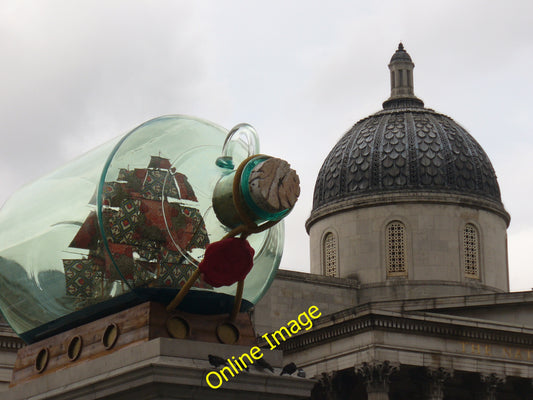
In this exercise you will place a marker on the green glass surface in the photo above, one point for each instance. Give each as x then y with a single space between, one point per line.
131 217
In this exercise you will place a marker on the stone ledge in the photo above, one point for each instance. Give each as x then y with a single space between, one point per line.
408 196
451 302
405 282
357 320
307 277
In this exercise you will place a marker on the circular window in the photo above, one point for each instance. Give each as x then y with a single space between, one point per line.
41 361
227 333
178 327
74 348
110 336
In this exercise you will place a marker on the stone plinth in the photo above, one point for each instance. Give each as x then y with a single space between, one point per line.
162 368
106 335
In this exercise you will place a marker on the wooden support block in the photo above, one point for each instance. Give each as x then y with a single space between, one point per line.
138 324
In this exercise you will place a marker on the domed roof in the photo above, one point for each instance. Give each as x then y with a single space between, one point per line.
405 148
401 55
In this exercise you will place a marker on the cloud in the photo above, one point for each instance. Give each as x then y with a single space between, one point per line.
76 75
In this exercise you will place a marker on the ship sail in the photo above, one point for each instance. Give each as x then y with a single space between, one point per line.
149 237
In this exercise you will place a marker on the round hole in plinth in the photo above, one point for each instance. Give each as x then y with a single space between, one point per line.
178 327
110 336
41 361
74 348
227 333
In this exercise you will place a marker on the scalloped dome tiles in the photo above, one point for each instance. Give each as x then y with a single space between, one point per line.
407 148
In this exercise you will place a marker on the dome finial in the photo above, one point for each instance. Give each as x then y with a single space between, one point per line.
401 81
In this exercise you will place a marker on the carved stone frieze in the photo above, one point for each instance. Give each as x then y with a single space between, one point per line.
354 325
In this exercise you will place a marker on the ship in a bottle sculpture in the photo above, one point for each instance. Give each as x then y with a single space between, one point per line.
179 212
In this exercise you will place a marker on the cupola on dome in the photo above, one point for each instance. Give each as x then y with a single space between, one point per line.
404 149
401 55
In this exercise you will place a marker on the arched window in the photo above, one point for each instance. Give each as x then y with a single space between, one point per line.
330 255
396 245
471 251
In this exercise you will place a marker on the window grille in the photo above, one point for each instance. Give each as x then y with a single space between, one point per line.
396 258
471 251
330 255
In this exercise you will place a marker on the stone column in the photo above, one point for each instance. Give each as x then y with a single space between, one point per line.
376 377
491 382
437 377
336 385
324 388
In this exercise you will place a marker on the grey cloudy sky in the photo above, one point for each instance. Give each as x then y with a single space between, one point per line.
77 73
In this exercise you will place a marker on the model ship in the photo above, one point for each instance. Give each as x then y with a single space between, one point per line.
150 225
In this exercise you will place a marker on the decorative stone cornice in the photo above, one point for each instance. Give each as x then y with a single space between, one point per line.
13 344
9 340
405 197
418 325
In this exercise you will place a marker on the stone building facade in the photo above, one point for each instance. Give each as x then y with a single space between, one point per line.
409 264
10 343
408 269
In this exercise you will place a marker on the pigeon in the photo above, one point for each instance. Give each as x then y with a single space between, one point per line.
241 365
216 361
289 369
262 364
